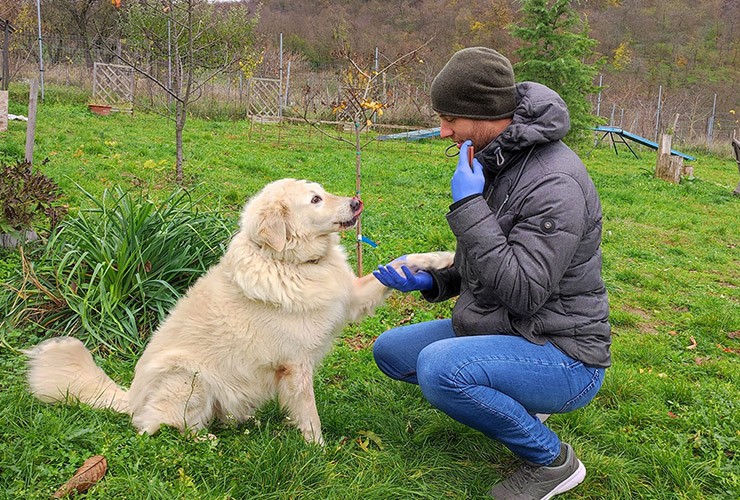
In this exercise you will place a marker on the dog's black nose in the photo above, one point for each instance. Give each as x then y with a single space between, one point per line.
355 204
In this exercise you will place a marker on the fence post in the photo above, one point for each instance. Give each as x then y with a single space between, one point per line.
3 110
668 167
31 127
710 123
736 151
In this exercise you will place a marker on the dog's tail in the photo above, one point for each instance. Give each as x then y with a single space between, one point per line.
62 370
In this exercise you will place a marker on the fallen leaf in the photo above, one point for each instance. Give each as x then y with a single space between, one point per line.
733 335
693 343
363 443
729 350
701 360
372 437
92 471
672 415
673 333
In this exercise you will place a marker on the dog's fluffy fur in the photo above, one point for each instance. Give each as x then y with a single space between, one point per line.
253 327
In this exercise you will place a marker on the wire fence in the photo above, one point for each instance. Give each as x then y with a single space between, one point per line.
702 115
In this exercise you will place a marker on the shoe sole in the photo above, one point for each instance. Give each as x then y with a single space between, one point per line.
571 482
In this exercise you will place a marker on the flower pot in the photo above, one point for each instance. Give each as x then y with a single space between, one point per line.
100 109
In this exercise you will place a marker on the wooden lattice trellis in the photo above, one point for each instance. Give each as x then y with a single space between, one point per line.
113 84
264 97
348 96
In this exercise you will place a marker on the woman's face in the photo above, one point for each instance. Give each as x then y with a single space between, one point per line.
481 132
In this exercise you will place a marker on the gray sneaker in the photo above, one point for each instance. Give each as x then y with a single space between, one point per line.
533 482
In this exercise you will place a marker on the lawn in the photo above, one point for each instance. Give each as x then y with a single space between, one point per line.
665 425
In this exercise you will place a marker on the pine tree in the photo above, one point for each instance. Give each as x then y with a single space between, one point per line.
555 52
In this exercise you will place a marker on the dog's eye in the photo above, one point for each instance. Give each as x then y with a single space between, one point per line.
316 199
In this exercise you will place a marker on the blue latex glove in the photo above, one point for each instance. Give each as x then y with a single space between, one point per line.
467 180
421 280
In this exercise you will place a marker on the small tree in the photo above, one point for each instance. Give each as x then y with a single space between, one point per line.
198 39
360 101
556 52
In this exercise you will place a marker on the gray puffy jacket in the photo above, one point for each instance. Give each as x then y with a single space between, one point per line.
528 258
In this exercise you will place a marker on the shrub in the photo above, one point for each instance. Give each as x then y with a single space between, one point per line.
109 274
28 200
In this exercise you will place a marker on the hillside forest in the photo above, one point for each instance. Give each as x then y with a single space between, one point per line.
691 49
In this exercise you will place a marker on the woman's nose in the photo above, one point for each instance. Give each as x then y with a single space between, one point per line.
445 132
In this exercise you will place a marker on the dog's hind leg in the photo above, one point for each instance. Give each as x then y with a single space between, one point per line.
179 399
295 392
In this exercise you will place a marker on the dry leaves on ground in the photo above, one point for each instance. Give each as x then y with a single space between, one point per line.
90 473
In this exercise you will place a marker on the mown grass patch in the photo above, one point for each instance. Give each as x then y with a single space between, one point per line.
665 424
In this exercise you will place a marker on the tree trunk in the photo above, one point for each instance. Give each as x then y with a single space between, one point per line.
180 115
358 192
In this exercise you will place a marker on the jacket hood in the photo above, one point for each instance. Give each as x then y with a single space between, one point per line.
541 116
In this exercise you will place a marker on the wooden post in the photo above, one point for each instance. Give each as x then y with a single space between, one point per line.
3 110
736 151
668 167
31 127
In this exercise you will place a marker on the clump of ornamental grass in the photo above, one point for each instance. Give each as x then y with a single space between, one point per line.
109 274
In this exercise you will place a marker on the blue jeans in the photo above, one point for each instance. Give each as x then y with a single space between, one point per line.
492 383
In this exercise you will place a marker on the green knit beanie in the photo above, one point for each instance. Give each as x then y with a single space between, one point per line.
477 83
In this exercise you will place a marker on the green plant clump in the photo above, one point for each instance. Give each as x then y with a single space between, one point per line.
110 273
28 199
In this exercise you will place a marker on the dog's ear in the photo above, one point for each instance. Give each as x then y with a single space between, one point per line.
273 226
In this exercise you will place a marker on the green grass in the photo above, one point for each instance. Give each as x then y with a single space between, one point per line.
666 424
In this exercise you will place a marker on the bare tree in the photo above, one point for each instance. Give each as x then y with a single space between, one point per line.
197 40
84 20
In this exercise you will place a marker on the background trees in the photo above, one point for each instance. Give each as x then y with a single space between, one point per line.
556 51
689 50
194 41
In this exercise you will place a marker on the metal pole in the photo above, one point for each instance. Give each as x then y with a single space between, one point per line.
710 125
598 109
657 115
41 49
611 117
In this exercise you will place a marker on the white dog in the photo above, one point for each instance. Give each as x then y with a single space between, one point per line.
254 326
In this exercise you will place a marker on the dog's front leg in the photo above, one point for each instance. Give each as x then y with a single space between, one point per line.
295 391
426 261
367 294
